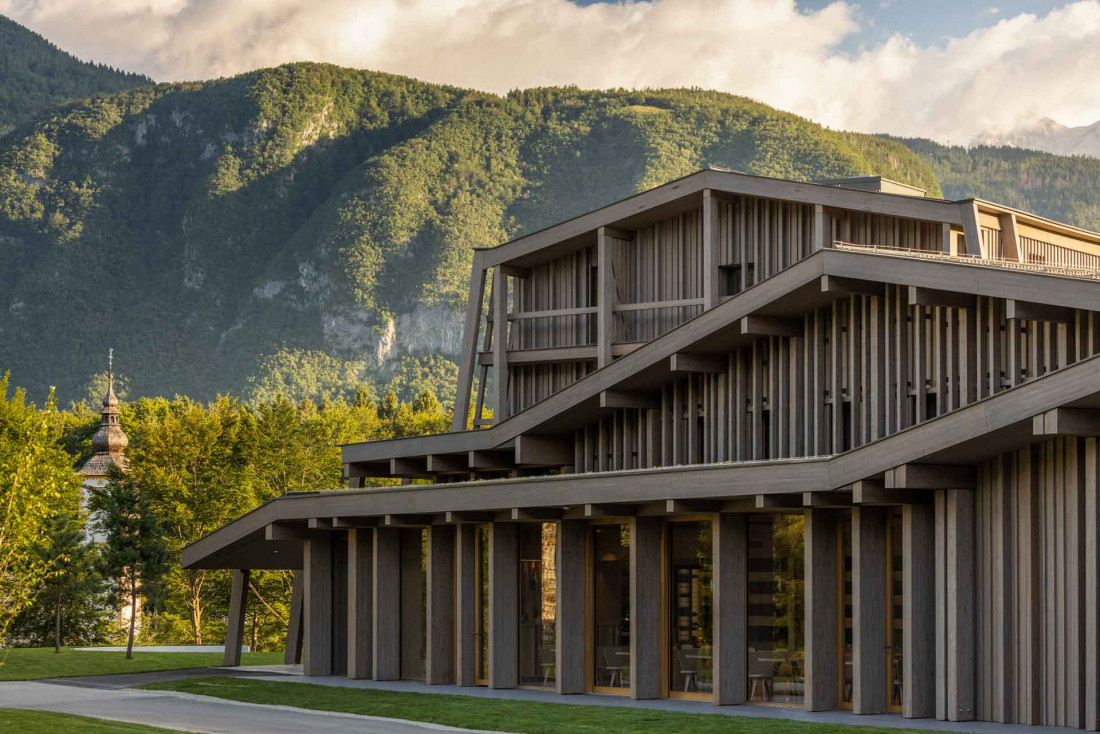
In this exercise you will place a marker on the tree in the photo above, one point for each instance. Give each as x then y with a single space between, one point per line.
77 582
36 480
135 557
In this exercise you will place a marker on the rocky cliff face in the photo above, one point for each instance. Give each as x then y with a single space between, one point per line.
1048 136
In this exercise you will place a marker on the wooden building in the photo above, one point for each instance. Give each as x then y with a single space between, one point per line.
744 440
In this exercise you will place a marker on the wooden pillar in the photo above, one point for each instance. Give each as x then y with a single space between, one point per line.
572 579
466 604
386 644
869 610
292 652
605 298
918 527
441 614
503 605
821 229
469 346
822 528
730 618
360 602
500 342
1092 584
317 605
713 285
646 640
972 230
955 665
234 629
1010 238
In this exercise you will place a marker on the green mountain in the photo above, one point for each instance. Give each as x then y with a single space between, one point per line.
36 76
1066 188
304 228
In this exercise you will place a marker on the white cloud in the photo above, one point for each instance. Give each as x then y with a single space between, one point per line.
1014 71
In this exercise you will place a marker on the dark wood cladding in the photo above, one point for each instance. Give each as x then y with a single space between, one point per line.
866 367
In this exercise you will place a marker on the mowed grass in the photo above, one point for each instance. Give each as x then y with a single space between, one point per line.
522 717
33 663
46 722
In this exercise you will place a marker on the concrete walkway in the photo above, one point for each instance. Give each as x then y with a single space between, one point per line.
292 674
184 712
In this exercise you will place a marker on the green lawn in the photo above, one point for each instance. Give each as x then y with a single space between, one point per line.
31 663
46 722
492 714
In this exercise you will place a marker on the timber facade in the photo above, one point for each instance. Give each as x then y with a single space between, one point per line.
743 440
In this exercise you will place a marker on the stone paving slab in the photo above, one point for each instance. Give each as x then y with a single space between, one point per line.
185 712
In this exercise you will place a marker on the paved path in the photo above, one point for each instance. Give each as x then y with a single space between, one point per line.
184 712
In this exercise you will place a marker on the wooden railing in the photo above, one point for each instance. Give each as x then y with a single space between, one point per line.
1072 271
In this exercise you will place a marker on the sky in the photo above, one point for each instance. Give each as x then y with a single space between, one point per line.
938 69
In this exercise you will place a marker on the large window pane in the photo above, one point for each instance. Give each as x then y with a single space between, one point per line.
611 606
776 654
691 603
538 599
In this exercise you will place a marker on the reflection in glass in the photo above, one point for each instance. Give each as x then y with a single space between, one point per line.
690 566
538 600
611 606
896 609
414 601
845 599
481 632
776 654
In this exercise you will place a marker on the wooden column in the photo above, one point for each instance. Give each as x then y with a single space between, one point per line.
972 230
503 605
1010 238
386 645
955 665
730 619
572 579
440 663
1092 584
869 610
317 605
469 346
821 229
360 602
605 298
500 342
646 640
918 527
466 604
292 652
234 629
713 285
822 527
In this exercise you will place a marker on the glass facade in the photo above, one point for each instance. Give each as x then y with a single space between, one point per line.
611 607
691 608
538 603
776 644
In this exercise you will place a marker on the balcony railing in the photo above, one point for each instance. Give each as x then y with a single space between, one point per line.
1071 271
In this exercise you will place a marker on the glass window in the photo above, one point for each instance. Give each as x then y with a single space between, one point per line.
691 659
481 649
776 645
414 598
538 603
611 606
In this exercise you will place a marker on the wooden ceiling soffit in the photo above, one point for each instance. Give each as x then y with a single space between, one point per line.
629 399
685 362
348 523
837 499
543 451
468 517
933 297
931 476
447 464
874 493
409 468
770 326
491 460
286 531
1028 311
840 287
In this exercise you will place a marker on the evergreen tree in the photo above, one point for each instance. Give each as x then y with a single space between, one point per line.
135 557
74 590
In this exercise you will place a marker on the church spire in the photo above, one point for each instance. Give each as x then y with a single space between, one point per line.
109 441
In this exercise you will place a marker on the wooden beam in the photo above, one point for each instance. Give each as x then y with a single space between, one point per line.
843 287
468 517
605 295
1010 238
544 451
692 507
632 399
412 467
500 343
770 326
596 511
838 499
491 460
931 476
292 650
935 297
513 272
870 493
778 501
1067 422
234 631
1027 311
286 531
713 282
535 514
447 464
698 363
968 210
469 345
406 521
319 523
348 523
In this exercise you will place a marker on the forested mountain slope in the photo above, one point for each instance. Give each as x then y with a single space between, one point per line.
311 227
36 76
